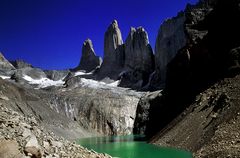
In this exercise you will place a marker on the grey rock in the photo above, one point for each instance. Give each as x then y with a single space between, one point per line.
138 52
34 73
112 40
89 61
143 112
113 115
139 59
171 37
56 74
113 60
9 148
19 64
5 64
32 142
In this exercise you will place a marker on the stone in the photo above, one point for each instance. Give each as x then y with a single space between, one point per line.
33 152
32 142
26 133
89 61
56 144
9 148
46 145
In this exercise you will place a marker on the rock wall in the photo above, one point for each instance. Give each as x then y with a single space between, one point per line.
138 52
139 59
171 38
106 111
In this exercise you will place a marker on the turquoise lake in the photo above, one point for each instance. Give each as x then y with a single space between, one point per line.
131 147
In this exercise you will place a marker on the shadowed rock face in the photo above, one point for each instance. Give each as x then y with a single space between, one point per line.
171 37
138 52
113 53
89 60
139 59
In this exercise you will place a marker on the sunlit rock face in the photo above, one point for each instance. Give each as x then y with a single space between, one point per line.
113 52
171 38
112 40
105 110
4 64
89 61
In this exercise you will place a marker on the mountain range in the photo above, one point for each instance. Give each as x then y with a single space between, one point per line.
183 94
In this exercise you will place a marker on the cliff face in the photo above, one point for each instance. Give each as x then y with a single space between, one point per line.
139 59
138 52
112 40
113 115
113 53
171 37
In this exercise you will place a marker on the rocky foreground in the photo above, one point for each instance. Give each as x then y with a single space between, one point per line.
23 137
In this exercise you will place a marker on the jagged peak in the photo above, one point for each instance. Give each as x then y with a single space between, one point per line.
88 47
88 43
113 25
140 29
1 56
140 32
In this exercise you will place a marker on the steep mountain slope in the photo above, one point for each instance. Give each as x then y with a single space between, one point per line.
176 117
210 124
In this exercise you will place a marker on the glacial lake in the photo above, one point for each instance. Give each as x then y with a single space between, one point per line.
130 147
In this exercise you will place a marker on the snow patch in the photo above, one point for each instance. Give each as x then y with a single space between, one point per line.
5 77
97 84
79 73
43 82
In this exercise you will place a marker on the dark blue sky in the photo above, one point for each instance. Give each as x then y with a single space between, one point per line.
50 33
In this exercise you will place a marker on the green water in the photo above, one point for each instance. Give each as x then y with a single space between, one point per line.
130 147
